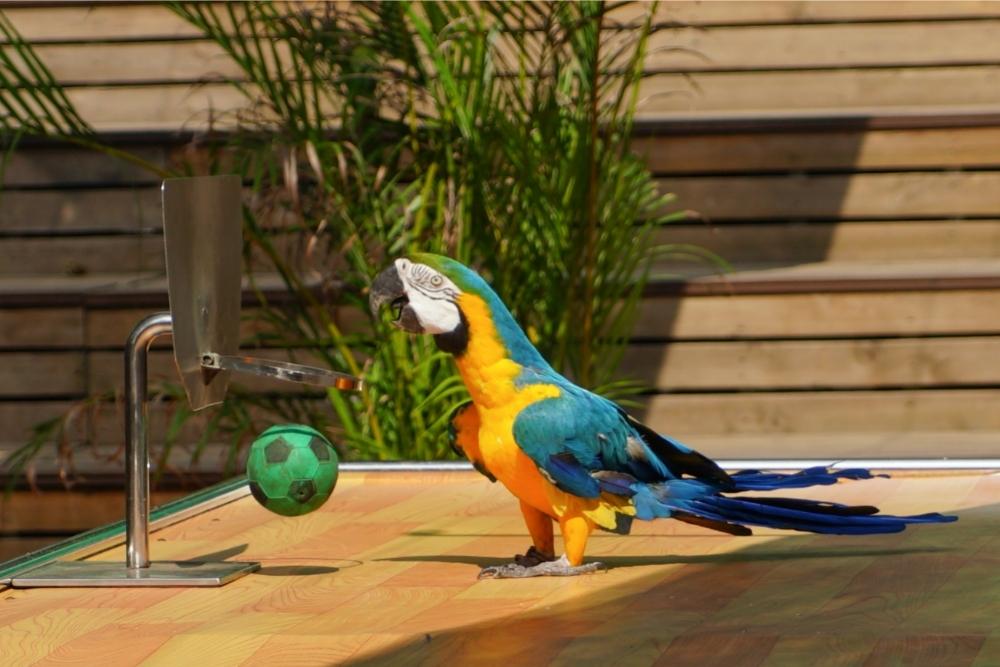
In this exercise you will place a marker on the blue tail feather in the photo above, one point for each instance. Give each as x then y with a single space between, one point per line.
699 502
811 516
754 480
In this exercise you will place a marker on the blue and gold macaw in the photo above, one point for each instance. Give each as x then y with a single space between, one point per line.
576 458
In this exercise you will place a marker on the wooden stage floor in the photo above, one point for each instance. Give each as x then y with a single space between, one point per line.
385 573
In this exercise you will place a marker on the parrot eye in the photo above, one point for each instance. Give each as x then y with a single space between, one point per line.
436 281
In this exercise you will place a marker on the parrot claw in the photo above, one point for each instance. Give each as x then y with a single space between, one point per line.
549 568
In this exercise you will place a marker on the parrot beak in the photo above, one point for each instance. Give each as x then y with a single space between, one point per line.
388 288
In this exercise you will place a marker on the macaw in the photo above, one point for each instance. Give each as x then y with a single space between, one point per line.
576 458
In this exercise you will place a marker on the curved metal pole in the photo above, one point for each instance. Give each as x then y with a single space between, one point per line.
136 438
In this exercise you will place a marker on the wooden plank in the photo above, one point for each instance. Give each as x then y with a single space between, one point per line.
58 166
41 327
125 209
71 511
893 195
794 151
19 417
844 45
766 365
840 242
818 314
937 89
686 416
80 255
97 22
108 328
820 92
709 12
138 21
11 547
694 278
187 62
683 49
26 374
155 108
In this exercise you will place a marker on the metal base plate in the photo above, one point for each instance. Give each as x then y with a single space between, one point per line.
90 573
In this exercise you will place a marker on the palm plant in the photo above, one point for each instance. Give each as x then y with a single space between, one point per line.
497 133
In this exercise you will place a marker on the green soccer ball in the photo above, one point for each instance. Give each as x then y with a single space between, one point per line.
292 469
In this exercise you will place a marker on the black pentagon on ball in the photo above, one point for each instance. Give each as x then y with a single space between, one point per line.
320 449
302 490
277 451
258 493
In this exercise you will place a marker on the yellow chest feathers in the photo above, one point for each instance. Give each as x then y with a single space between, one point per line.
489 374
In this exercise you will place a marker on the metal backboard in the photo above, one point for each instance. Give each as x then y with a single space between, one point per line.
203 237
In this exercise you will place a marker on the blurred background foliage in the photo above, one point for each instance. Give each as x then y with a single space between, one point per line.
497 133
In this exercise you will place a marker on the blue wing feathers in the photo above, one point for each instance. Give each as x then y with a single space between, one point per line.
567 474
587 446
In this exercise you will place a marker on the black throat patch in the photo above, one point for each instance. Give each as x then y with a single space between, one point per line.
455 341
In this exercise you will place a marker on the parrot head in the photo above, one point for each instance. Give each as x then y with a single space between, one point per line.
424 294
431 294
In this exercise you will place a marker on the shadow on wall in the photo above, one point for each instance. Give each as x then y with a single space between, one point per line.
926 596
761 195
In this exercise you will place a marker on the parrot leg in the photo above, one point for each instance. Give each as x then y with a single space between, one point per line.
575 532
540 528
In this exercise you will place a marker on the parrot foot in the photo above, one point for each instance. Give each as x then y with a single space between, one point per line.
533 557
549 568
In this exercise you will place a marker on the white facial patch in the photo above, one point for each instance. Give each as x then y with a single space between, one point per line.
431 295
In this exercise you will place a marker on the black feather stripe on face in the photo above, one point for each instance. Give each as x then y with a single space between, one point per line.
457 340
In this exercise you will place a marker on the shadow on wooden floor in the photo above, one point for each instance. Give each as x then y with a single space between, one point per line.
927 596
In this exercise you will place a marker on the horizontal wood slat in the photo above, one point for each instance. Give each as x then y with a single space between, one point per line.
136 21
64 167
97 23
850 314
727 365
41 327
818 314
735 197
681 49
766 365
840 242
854 150
894 195
939 90
24 374
817 415
20 417
52 210
143 20
80 255
820 92
825 412
678 366
69 511
96 64
842 45
728 12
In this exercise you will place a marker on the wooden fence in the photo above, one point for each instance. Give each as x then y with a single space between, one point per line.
845 156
